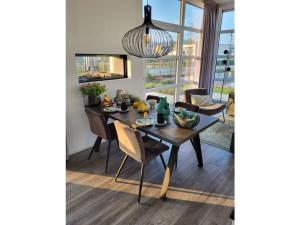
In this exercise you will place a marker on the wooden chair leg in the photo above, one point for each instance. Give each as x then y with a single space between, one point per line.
163 161
141 182
107 156
121 167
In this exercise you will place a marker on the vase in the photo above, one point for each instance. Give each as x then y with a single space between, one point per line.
94 101
163 107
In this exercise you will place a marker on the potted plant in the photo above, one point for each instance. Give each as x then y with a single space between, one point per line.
93 92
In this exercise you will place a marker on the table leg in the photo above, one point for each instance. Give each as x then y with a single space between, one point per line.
197 147
168 173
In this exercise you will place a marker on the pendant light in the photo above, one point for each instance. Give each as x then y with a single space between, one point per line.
147 40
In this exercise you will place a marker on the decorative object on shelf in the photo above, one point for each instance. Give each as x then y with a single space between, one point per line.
147 40
186 119
93 92
226 69
163 107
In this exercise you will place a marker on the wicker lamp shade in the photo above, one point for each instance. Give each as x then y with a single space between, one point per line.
147 40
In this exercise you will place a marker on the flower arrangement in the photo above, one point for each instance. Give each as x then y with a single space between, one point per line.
92 89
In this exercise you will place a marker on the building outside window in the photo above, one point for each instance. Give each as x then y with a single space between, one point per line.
172 74
224 81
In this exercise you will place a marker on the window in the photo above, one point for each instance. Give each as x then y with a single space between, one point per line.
97 67
170 75
160 72
193 16
224 81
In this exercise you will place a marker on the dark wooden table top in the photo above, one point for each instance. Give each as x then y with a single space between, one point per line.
170 132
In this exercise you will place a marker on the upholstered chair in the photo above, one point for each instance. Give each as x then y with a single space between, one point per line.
141 148
103 130
187 106
212 109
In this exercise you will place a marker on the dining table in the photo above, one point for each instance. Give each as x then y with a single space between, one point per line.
170 133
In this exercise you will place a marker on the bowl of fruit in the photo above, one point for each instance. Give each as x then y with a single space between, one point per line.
143 107
186 119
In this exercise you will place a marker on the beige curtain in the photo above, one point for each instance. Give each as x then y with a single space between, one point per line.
208 45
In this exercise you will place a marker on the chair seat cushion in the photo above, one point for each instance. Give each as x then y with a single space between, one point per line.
153 148
212 109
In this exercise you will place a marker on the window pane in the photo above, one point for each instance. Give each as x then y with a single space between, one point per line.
184 87
168 92
193 16
218 93
166 10
174 36
159 72
228 20
190 70
191 43
226 43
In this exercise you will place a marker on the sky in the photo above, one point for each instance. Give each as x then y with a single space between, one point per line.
168 11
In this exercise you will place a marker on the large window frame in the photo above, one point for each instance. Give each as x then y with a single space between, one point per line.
179 29
222 8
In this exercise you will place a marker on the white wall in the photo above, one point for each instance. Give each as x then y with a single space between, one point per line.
97 26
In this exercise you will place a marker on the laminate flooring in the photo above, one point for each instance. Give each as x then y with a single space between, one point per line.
195 196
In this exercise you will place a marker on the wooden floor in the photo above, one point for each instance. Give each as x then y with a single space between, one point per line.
196 195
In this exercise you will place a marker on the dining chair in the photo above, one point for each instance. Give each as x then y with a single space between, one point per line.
103 130
189 107
141 148
157 98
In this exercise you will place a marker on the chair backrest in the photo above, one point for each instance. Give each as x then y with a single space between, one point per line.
157 98
187 106
98 123
130 141
196 91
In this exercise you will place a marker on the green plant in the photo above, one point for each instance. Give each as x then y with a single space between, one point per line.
92 89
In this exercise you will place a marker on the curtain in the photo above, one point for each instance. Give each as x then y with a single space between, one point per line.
208 44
